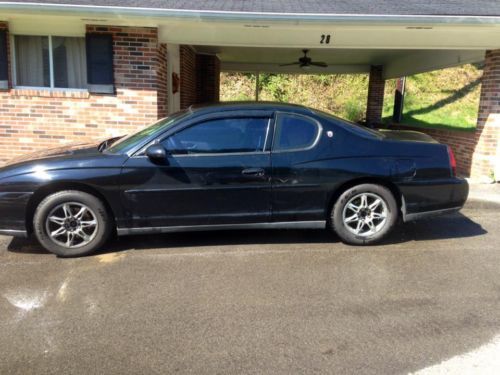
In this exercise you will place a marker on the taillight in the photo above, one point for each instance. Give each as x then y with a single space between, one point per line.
453 162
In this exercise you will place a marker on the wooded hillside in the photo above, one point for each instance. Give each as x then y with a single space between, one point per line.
447 97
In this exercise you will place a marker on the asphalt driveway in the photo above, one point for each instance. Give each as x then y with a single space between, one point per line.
258 302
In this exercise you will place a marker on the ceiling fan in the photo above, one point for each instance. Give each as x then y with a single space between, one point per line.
306 62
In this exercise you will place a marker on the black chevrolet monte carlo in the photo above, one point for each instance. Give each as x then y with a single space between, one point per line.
230 166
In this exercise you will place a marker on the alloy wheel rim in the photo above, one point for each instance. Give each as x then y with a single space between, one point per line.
71 225
365 214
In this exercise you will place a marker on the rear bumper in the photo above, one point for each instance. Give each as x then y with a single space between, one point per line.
423 199
426 214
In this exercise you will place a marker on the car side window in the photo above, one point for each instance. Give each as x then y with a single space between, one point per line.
227 135
294 132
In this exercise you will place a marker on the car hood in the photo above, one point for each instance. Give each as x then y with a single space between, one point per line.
88 147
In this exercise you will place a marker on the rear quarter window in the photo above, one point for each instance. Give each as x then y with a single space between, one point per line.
350 126
295 132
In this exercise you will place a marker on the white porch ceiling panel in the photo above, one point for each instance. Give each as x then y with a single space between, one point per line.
396 62
303 34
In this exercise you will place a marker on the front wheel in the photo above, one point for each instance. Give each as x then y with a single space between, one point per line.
364 214
71 223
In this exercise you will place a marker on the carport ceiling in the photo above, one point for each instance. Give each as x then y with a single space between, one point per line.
396 62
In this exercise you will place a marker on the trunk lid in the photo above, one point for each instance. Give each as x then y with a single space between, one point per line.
407 136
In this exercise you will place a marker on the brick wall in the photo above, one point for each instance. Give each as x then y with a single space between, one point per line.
188 76
162 77
36 119
208 78
487 137
200 77
375 101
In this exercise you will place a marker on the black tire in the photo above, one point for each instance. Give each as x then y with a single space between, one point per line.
102 230
371 190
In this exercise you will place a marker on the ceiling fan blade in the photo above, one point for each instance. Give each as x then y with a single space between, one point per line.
320 64
294 63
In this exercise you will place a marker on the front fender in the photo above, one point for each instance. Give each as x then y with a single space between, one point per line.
20 194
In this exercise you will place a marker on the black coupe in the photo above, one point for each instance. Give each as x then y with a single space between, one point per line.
230 166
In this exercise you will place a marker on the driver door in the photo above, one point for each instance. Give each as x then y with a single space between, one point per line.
217 172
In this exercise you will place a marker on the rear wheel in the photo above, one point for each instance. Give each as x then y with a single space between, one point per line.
71 223
364 214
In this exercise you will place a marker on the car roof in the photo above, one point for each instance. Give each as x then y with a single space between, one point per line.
246 106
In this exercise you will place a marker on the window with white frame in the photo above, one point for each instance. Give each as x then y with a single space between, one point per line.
50 61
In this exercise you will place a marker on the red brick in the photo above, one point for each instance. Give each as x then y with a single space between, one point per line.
375 103
42 118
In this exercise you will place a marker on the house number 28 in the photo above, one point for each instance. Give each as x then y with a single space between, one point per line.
325 39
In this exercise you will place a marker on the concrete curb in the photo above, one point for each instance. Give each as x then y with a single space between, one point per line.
481 200
484 196
481 204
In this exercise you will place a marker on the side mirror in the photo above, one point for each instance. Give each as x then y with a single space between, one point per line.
157 154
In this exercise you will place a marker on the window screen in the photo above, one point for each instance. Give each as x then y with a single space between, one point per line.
32 61
38 66
69 62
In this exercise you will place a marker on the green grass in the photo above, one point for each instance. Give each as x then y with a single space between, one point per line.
457 115
423 111
445 99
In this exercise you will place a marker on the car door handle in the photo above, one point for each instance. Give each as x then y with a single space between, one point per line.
253 172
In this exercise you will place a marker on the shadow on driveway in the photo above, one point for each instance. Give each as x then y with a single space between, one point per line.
443 227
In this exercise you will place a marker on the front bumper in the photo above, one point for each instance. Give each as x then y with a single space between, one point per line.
13 207
14 233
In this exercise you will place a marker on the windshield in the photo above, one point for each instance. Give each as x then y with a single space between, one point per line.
130 140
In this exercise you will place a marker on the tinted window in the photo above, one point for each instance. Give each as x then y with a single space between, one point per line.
295 132
220 136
